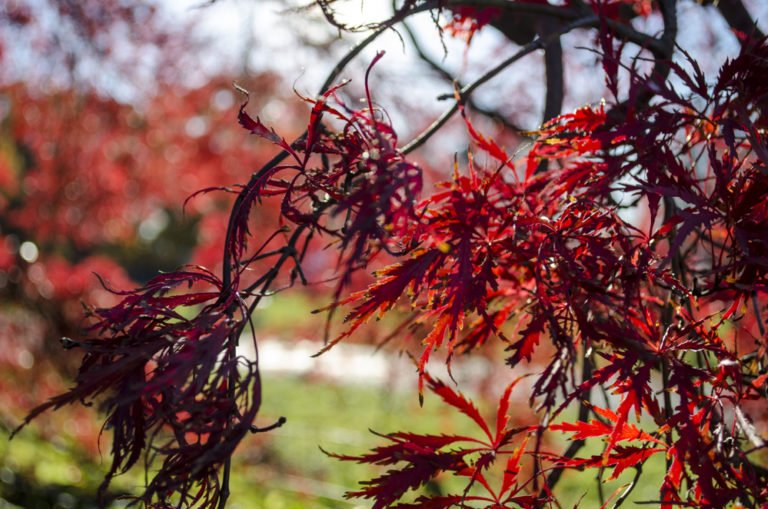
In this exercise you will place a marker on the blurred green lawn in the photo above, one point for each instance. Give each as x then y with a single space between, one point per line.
285 468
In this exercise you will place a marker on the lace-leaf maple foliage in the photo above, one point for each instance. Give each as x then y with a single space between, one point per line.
541 254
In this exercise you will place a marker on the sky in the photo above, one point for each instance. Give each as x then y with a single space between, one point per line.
254 36
262 36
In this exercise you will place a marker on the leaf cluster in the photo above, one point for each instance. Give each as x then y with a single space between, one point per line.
624 253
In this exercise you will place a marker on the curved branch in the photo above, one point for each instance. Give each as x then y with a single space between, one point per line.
341 64
739 18
464 93
626 32
661 67
494 115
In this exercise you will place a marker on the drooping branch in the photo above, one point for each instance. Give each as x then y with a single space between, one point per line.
230 264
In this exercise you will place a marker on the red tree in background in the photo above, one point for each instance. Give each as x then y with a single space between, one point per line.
630 239
88 181
93 184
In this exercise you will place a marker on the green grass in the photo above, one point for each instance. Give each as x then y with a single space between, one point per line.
575 484
336 418
38 473
285 468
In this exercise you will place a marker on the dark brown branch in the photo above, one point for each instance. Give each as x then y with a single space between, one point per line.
661 48
565 14
282 420
737 16
553 61
575 445
523 27
443 73
663 52
553 101
464 93
630 488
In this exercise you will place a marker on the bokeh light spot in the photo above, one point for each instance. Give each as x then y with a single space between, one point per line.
28 251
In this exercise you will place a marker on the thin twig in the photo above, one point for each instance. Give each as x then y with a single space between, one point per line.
466 91
632 484
443 73
574 446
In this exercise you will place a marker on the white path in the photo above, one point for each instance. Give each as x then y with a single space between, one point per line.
357 364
